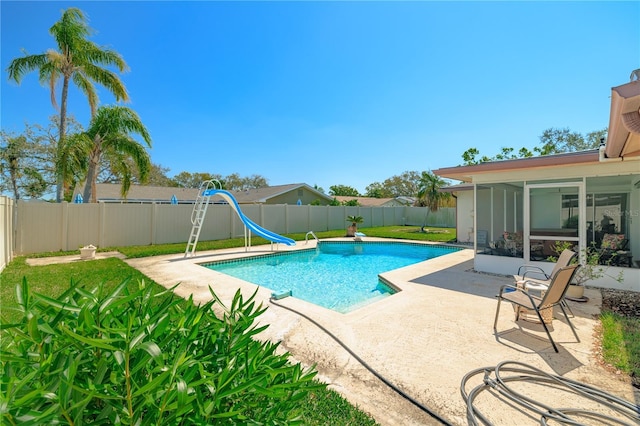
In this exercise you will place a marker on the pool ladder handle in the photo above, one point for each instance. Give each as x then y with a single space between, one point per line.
306 237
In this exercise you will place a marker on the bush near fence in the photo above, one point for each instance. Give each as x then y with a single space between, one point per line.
43 227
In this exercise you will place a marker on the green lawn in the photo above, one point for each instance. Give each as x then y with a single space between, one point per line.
621 343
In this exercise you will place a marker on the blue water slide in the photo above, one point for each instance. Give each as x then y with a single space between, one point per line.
254 227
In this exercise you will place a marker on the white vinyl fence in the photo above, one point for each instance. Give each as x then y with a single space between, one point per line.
45 227
6 230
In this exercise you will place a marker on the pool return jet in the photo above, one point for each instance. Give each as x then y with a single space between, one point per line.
210 188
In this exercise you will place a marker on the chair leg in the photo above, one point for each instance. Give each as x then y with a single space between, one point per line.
555 348
566 305
495 321
570 323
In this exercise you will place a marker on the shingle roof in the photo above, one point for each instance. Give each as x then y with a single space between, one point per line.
376 202
144 193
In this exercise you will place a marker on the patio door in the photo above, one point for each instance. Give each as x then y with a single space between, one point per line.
554 215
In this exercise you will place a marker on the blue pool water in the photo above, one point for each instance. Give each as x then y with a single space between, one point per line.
337 275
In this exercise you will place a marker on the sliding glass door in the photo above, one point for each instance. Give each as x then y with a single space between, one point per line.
554 218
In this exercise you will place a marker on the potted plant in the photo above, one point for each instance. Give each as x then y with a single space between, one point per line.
353 228
593 268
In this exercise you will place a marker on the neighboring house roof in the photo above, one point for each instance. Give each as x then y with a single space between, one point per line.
623 139
144 193
376 202
262 195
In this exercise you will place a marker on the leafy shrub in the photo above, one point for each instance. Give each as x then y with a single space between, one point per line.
138 358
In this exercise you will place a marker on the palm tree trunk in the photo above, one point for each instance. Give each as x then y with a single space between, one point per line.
61 136
92 171
89 193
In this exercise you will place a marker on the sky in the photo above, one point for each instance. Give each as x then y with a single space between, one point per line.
338 93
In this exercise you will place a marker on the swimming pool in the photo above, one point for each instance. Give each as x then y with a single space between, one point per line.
341 276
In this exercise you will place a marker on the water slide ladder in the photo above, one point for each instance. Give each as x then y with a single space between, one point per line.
198 214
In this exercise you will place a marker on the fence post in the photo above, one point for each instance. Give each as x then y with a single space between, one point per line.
101 220
64 226
154 212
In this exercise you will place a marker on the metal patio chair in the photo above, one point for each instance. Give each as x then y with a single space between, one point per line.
553 296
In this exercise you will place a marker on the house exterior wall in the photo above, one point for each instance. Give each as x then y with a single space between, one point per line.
546 211
464 217
303 194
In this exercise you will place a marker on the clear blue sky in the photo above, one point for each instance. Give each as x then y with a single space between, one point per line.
345 93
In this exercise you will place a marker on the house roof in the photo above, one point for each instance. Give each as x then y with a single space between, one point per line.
465 173
371 201
262 195
623 139
144 193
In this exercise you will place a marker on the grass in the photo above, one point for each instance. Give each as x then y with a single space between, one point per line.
621 344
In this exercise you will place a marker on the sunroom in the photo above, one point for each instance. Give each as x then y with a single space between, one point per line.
522 211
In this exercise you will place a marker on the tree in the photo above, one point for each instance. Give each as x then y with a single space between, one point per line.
18 170
556 141
35 163
343 190
193 180
552 141
77 60
157 175
377 190
353 228
405 184
430 194
110 135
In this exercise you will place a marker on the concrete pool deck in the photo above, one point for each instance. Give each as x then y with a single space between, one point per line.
423 339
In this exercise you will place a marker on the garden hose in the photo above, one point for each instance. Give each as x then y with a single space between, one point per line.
528 373
367 366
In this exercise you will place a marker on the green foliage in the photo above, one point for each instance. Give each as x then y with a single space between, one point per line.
430 194
594 265
552 141
136 357
621 342
355 219
343 190
351 203
109 137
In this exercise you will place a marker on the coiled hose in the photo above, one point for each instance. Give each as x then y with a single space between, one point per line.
528 373
367 366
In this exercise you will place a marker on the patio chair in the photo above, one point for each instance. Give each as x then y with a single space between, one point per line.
541 284
553 296
564 259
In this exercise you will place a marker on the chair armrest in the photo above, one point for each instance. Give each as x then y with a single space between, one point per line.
530 269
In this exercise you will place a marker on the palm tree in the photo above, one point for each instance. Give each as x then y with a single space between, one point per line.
110 136
77 60
353 228
430 195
